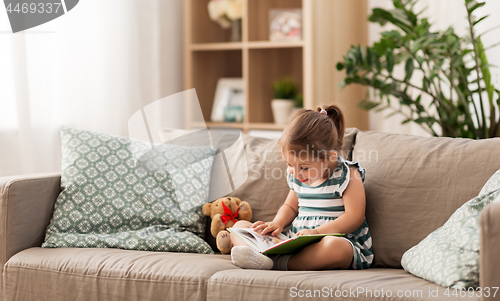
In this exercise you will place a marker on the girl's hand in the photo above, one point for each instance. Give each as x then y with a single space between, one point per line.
264 228
307 232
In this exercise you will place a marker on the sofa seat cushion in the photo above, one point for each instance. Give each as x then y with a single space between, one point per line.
109 274
370 284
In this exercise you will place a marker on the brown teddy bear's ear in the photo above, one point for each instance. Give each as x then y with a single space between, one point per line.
237 200
207 209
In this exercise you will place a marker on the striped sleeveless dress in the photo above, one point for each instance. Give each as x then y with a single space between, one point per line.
323 203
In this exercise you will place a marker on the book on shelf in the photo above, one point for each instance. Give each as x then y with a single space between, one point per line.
279 244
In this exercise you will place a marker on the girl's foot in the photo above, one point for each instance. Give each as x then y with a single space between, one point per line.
247 258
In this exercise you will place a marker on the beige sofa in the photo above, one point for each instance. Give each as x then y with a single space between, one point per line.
413 184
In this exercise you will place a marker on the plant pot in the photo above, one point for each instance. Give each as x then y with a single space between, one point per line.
282 109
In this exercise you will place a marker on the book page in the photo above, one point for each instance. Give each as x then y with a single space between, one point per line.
262 242
247 237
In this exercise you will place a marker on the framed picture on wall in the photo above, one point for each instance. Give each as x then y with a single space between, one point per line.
229 100
285 24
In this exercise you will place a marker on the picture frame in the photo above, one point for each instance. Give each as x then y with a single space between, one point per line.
285 24
229 100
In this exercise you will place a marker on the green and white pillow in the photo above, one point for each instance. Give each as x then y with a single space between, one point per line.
122 193
449 256
492 184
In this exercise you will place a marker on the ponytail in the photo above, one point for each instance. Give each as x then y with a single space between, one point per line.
336 115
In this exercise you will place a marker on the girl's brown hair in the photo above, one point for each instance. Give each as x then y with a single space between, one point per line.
313 133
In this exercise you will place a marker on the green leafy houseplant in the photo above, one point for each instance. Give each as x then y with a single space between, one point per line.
286 97
454 73
286 88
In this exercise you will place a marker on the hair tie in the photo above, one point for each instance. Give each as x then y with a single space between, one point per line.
323 112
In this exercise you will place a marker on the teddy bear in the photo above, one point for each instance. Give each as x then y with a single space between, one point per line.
225 212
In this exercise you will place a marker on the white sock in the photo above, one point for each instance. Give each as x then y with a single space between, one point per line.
247 258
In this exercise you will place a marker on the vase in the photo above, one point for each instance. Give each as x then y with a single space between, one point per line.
236 30
282 109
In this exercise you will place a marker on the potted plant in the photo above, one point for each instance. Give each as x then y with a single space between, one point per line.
285 99
453 96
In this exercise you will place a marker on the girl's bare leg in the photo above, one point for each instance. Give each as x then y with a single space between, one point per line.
330 252
234 239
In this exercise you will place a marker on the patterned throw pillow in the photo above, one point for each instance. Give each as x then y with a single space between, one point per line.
493 183
449 256
122 193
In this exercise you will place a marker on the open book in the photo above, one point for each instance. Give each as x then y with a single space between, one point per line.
280 244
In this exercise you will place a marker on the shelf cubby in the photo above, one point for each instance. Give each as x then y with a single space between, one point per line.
201 28
258 16
207 68
266 66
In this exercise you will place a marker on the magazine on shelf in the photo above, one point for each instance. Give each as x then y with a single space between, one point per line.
280 244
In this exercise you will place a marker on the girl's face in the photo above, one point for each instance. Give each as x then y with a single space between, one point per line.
307 169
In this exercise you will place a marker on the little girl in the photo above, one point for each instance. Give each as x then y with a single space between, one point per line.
326 196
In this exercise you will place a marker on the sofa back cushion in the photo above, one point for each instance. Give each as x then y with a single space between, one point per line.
413 184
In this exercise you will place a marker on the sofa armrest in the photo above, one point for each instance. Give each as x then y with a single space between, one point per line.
489 261
26 206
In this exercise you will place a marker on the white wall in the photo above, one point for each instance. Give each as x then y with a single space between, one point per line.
91 69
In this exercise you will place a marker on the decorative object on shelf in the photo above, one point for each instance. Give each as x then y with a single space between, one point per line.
233 114
236 30
228 14
284 102
285 24
450 68
229 100
282 108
